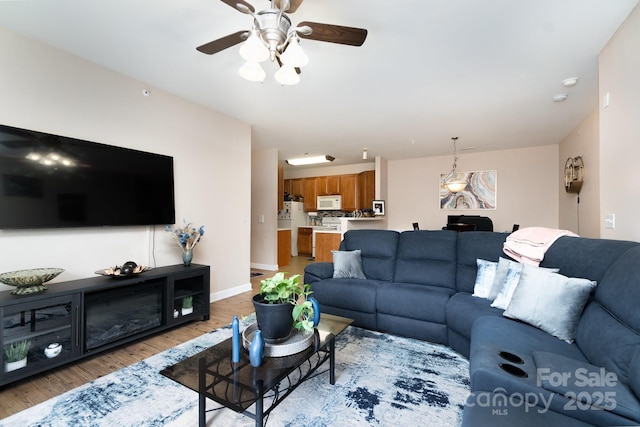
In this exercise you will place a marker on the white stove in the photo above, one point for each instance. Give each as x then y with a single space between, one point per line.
331 222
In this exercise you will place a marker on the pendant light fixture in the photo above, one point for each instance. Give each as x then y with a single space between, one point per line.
455 182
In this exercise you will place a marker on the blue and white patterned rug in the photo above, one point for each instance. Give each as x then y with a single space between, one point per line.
381 380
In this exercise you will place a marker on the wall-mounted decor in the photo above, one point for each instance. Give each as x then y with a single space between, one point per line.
378 207
479 193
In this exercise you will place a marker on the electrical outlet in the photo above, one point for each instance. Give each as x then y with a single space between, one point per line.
610 221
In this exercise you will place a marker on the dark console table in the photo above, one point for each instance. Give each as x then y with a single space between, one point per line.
87 316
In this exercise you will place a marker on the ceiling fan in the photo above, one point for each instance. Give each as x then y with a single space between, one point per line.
272 37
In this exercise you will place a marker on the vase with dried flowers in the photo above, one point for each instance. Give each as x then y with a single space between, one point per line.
187 237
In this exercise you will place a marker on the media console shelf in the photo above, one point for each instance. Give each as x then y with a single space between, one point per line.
90 315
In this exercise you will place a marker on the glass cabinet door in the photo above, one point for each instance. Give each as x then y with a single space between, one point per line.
38 335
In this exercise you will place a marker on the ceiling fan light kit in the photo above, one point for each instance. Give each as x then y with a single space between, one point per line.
301 161
273 38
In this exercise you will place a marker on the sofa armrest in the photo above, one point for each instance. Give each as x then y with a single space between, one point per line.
318 271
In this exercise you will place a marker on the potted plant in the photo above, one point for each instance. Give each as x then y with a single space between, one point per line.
187 305
16 355
281 305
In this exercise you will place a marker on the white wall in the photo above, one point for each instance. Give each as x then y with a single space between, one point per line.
619 130
264 209
582 218
48 90
527 188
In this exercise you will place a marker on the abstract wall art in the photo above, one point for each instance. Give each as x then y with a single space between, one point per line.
480 192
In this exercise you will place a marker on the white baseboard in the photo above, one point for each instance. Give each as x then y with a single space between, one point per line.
270 267
217 296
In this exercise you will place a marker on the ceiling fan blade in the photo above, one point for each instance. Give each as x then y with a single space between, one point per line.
233 4
295 4
335 33
223 43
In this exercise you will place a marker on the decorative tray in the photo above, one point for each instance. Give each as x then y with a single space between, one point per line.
296 342
116 272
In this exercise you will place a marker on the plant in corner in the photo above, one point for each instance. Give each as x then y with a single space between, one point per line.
16 354
282 304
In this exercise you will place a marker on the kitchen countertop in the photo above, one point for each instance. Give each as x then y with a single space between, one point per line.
283 229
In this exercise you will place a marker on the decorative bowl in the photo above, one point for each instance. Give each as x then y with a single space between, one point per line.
117 272
29 281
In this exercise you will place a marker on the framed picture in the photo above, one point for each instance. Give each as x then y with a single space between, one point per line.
378 207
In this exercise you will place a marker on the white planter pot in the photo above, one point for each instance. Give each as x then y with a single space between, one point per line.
186 311
12 366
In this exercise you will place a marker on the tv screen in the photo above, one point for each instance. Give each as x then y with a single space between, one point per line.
50 181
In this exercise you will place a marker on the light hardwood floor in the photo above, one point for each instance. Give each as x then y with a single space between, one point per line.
24 394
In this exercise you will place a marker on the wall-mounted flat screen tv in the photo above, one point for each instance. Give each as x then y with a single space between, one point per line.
51 181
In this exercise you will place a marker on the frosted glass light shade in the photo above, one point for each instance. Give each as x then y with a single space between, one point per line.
252 71
287 75
294 55
253 49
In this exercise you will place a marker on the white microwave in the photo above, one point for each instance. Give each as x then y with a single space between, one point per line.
329 203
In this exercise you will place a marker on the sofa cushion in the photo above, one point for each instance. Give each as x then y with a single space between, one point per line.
348 264
427 257
421 302
588 385
352 294
484 278
584 257
471 246
378 248
609 329
549 301
463 309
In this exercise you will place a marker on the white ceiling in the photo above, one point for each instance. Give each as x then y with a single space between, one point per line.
485 71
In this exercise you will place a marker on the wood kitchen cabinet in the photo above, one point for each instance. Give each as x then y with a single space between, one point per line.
296 187
366 184
284 247
348 190
325 243
309 194
328 185
305 235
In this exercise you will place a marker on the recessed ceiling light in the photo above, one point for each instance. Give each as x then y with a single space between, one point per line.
560 97
570 82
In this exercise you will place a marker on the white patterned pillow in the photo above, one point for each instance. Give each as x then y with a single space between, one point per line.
484 278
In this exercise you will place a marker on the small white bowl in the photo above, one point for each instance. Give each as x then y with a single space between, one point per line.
52 350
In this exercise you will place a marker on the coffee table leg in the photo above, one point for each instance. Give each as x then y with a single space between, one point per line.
259 403
202 387
332 361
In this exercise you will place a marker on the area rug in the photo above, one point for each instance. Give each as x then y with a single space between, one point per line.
381 380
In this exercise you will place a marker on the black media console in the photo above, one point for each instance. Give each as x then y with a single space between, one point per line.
87 316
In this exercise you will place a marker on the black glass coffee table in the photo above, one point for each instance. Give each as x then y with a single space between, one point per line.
238 386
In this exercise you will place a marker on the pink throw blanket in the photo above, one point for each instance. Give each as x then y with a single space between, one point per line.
528 245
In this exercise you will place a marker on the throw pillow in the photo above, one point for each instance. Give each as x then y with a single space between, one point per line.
484 278
508 286
348 264
501 275
550 301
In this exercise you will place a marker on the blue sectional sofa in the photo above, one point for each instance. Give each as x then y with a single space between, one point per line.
420 284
